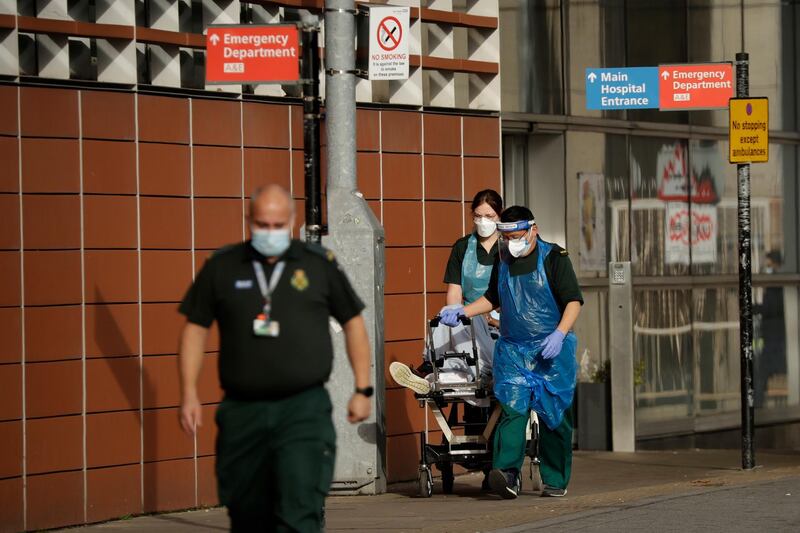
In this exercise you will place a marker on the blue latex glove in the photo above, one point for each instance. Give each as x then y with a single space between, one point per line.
449 316
551 345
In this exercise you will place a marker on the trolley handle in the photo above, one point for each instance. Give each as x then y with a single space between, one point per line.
434 323
454 355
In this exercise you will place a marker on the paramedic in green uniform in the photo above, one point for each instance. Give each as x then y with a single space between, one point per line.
272 298
534 359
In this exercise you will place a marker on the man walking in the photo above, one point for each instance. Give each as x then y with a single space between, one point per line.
534 360
272 298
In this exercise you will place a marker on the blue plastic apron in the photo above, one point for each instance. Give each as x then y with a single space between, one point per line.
474 276
523 379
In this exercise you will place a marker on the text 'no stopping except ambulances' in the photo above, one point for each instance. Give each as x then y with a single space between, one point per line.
748 135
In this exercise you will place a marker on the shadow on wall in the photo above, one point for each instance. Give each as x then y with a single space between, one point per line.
112 342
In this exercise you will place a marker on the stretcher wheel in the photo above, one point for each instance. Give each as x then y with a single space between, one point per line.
447 477
425 483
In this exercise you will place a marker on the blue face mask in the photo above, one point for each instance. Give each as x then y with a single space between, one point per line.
270 242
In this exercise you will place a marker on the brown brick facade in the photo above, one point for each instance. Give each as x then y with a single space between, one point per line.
110 202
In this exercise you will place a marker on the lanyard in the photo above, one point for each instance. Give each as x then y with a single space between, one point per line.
266 290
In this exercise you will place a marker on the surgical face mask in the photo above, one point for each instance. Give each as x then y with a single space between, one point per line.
518 247
485 226
270 242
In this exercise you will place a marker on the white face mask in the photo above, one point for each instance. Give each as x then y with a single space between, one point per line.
485 226
518 247
270 242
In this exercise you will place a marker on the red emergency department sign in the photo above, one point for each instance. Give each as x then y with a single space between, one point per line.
251 53
698 86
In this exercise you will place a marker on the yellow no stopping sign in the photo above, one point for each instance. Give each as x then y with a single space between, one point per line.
748 130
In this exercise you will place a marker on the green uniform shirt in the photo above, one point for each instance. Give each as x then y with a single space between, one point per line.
558 268
311 289
452 273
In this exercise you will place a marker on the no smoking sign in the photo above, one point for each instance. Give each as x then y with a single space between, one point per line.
388 43
390 33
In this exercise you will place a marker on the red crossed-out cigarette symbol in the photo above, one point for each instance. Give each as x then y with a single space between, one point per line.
390 33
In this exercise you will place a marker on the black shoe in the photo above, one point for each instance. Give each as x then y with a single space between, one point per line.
424 369
553 492
485 486
505 483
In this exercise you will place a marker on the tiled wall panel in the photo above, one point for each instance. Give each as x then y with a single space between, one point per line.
109 167
167 486
12 511
113 492
135 192
11 458
9 171
10 392
47 511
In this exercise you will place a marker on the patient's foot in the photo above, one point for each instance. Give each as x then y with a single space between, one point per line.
403 375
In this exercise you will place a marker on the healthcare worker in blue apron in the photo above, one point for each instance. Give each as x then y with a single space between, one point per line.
534 359
467 276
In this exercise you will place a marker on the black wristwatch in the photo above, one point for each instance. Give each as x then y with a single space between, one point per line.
366 391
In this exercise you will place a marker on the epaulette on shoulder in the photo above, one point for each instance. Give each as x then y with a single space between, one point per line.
321 251
225 249
563 252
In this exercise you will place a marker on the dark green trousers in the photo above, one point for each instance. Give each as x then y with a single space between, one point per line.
275 461
555 446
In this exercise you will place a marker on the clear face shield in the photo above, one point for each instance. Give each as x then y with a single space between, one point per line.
520 244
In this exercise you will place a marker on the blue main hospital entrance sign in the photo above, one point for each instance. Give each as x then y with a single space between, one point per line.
622 88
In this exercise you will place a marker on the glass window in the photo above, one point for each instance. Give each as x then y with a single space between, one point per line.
530 59
660 225
663 357
776 355
515 169
656 34
773 211
770 31
714 36
715 332
769 34
600 43
592 338
598 229
714 221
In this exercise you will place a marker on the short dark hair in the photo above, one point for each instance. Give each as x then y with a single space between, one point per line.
490 198
775 257
515 213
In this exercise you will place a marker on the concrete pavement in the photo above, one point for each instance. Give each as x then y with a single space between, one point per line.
607 490
763 506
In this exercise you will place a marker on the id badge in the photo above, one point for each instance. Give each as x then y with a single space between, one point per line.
263 327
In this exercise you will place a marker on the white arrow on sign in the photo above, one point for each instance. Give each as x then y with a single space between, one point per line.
665 75
592 76
214 39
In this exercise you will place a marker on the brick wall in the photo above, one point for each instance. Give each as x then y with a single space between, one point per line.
110 202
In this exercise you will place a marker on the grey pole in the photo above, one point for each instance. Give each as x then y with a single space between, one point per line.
745 281
620 319
340 92
358 240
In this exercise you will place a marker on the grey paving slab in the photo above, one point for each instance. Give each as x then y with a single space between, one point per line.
771 506
603 483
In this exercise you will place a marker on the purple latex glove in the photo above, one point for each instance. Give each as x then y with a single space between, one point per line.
551 345
450 316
